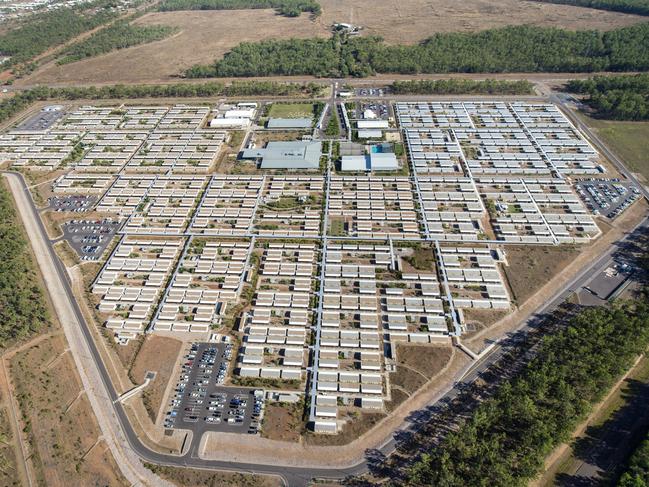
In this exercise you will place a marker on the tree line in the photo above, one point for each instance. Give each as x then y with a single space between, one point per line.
462 86
19 101
508 49
637 471
623 97
288 8
506 439
638 7
22 303
42 31
119 35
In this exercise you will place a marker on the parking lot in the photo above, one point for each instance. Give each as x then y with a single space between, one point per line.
200 403
379 111
607 197
42 120
89 238
371 91
76 203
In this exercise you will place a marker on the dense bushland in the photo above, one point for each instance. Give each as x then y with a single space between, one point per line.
289 8
119 35
639 7
22 302
507 438
508 49
615 97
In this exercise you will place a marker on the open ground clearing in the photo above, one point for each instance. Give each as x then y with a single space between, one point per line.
199 478
410 21
428 361
204 36
61 428
283 422
158 354
531 267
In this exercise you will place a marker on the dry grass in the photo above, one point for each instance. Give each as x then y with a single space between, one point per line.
66 253
397 397
9 475
425 359
283 422
59 421
200 478
128 352
410 21
356 427
407 379
479 319
533 266
204 36
157 354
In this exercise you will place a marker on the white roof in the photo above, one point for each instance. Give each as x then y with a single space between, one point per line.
373 124
353 163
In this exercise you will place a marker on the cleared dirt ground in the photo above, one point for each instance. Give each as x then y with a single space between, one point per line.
198 478
158 354
531 267
283 422
410 21
206 35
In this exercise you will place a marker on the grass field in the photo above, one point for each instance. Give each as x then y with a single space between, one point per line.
337 227
629 140
291 110
203 36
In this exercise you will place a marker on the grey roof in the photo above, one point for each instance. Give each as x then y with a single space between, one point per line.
374 162
287 155
383 161
289 123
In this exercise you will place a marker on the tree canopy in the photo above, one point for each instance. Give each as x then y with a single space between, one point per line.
505 441
22 302
42 31
289 8
119 35
616 97
637 472
508 49
462 86
639 7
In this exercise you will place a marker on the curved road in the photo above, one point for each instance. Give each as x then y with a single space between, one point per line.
293 476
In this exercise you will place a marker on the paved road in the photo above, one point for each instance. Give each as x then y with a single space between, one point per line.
291 475
128 441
